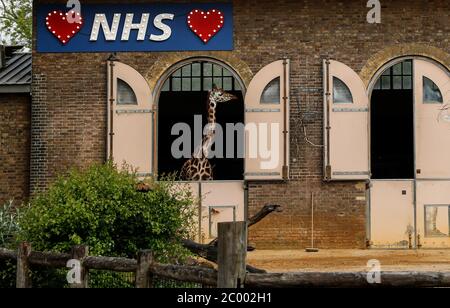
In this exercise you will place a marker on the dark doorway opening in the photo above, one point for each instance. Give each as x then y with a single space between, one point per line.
392 124
183 96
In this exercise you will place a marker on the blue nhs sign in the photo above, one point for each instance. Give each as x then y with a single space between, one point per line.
135 27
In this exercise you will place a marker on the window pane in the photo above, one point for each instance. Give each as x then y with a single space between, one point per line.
386 82
407 68
207 84
398 82
186 84
397 69
166 86
207 69
407 83
227 72
341 93
186 71
228 83
271 93
217 70
201 76
377 85
125 94
196 69
177 73
176 84
387 72
237 86
431 92
218 82
196 84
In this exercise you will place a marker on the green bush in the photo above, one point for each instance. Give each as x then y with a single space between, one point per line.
8 224
8 230
101 207
7 274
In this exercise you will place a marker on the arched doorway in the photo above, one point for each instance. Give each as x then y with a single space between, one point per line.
392 123
410 181
138 117
183 98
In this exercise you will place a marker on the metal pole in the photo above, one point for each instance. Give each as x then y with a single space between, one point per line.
285 130
312 220
328 174
312 248
111 110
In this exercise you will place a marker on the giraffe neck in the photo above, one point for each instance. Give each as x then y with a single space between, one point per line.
210 131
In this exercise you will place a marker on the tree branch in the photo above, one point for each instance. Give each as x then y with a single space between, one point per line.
266 210
209 251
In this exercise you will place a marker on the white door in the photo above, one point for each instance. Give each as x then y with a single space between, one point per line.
267 123
130 118
392 214
432 102
433 213
221 202
432 109
217 201
346 131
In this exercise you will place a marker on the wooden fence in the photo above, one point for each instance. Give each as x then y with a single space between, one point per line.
231 271
144 267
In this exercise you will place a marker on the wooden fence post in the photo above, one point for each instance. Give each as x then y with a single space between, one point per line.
144 277
79 253
23 279
232 252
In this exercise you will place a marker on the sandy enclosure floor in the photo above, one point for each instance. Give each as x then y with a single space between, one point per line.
349 260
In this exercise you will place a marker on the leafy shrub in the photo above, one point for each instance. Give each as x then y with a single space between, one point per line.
8 224
8 229
101 207
7 274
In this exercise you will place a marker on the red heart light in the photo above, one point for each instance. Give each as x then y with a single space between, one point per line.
59 25
205 25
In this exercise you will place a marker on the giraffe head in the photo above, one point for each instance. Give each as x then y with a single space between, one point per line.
217 95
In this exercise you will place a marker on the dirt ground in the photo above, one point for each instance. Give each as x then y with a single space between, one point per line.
349 260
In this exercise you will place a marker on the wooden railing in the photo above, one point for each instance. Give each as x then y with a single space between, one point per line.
231 271
143 267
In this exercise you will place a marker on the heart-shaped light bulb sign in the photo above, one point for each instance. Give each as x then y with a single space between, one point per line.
206 24
64 26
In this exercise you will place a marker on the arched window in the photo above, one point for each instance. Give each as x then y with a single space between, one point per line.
396 77
199 77
271 93
341 93
431 92
183 99
125 94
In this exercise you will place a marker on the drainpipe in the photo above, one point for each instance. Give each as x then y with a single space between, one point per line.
111 108
285 130
328 127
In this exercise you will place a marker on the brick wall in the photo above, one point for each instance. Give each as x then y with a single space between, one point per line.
69 104
14 147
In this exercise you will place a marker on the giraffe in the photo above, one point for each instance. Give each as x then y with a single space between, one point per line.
199 168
